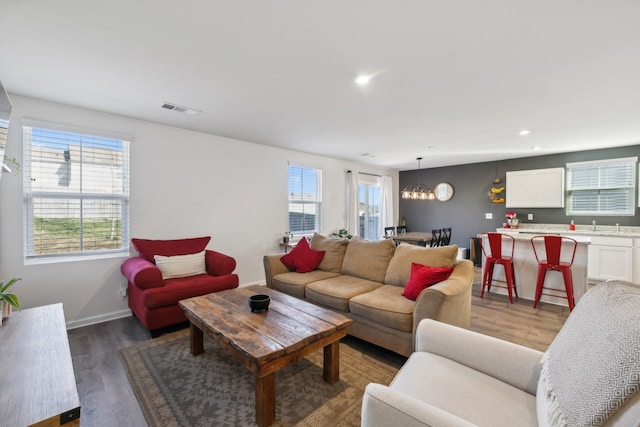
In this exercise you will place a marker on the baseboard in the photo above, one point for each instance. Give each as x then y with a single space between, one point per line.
98 319
259 282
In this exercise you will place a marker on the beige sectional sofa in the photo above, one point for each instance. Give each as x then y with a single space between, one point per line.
365 280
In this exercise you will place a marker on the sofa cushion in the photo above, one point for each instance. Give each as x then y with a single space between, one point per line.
337 291
399 271
423 276
302 258
385 305
334 252
293 283
444 383
181 265
368 259
150 248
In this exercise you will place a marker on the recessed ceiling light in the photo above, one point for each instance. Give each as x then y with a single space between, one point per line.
525 132
363 79
536 148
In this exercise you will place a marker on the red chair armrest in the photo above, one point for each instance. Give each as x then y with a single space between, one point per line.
219 264
142 273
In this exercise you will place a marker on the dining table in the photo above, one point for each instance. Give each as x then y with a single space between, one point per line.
421 238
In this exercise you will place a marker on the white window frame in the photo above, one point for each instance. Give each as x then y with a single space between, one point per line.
600 185
31 255
307 202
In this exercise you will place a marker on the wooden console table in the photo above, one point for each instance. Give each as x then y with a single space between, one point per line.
37 383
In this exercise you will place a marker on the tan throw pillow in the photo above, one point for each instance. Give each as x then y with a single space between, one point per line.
399 270
181 265
334 252
368 259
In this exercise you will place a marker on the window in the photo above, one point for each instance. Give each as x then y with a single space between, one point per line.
76 193
604 187
305 199
369 206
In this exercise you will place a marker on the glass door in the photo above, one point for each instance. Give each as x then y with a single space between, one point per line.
369 207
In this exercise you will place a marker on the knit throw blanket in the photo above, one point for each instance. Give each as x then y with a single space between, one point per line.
593 365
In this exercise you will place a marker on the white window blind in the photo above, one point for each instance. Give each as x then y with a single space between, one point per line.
305 199
76 193
605 187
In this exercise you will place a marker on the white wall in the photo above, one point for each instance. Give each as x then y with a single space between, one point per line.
183 184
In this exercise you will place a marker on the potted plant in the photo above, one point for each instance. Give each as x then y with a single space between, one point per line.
342 233
8 300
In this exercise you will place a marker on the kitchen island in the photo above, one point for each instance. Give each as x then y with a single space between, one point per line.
526 269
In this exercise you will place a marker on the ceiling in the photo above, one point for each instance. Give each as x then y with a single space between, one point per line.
452 81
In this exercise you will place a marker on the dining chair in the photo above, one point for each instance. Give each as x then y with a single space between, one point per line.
435 237
445 237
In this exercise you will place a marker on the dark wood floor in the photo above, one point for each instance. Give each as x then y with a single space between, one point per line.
108 400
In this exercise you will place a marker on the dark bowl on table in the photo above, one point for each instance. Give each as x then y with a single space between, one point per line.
259 302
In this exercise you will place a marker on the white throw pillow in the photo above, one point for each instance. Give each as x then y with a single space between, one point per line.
181 265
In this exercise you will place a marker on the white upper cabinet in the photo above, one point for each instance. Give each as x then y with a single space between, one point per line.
539 188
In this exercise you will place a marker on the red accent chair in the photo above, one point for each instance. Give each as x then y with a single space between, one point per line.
498 251
548 251
154 300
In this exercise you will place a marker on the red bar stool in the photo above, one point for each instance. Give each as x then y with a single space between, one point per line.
550 258
498 251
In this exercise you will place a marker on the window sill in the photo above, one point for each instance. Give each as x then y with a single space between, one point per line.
56 259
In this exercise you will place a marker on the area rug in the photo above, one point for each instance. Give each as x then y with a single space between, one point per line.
175 388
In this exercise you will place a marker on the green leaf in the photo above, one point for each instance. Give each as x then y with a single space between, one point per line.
3 287
11 299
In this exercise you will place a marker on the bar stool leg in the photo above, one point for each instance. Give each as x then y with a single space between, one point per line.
568 285
513 280
542 272
487 268
508 274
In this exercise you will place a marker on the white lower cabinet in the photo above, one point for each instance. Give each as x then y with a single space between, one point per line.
612 258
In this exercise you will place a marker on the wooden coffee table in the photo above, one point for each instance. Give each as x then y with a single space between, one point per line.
265 342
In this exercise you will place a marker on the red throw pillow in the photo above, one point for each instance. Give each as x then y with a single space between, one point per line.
423 276
302 257
150 248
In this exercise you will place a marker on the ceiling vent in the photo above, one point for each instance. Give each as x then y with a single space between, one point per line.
180 109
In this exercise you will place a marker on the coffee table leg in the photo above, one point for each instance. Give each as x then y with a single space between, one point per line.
266 400
197 341
331 368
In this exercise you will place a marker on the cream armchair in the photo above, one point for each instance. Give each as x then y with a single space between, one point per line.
457 377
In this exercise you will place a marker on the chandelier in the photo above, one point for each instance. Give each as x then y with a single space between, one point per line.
418 191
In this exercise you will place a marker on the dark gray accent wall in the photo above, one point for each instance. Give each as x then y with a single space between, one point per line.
465 213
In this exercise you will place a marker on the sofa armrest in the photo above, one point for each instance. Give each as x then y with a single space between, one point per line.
383 406
219 264
272 267
142 273
511 363
448 301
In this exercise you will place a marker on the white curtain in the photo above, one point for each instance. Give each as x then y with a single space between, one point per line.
386 203
353 211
